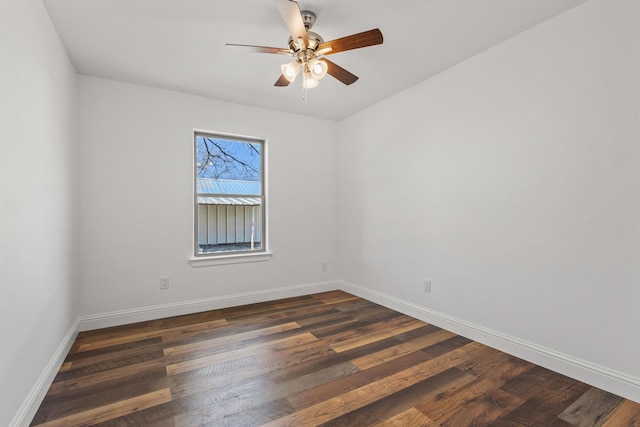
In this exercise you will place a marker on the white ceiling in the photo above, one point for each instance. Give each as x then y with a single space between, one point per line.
180 44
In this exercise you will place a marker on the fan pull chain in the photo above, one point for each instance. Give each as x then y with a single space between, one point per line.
305 99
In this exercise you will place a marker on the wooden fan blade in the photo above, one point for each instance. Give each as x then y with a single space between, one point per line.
340 73
354 41
261 49
282 81
290 12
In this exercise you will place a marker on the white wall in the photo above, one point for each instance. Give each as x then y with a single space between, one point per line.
37 113
136 151
512 182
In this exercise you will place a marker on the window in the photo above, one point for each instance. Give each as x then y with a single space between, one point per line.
229 195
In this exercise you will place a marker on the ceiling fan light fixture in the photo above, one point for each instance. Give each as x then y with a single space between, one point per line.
318 68
308 82
290 70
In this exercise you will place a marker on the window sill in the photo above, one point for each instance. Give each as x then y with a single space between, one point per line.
230 259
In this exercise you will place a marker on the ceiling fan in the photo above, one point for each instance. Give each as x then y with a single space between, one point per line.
309 49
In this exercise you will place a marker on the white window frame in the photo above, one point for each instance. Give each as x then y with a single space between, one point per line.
231 257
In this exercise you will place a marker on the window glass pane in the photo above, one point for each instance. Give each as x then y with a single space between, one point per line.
226 159
229 228
229 195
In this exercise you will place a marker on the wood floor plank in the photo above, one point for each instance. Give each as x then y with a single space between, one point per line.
235 400
357 305
386 332
325 318
546 395
446 346
287 314
189 365
541 410
112 352
334 297
489 375
422 331
266 310
88 398
101 363
259 391
368 326
592 408
355 399
409 418
90 359
627 414
232 327
403 400
480 410
540 383
553 421
90 380
114 410
359 324
199 346
65 366
330 359
359 379
229 373
388 354
149 325
255 416
108 342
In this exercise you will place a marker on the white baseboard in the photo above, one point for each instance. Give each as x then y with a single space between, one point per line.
598 376
32 402
123 317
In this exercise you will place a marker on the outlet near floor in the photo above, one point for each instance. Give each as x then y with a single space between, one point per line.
427 286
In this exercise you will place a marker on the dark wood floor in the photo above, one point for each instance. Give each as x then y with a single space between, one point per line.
328 359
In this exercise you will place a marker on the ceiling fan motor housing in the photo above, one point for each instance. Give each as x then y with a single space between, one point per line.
314 40
309 18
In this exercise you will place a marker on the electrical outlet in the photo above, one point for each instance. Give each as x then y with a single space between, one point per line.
164 283
427 286
324 266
